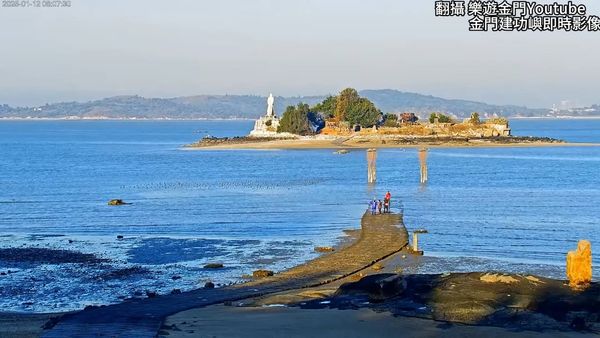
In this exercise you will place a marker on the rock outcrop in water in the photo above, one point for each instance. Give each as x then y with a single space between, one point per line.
210 141
115 202
12 256
213 266
123 273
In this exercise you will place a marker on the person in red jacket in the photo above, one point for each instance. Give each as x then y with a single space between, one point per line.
387 202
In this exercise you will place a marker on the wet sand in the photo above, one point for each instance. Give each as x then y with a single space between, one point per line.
227 321
16 325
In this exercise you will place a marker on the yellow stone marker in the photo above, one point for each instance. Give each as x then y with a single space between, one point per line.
579 265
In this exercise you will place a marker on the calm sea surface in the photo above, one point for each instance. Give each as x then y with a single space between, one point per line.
512 209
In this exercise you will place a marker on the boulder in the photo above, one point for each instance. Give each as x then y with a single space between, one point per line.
209 285
377 267
262 273
213 266
376 287
468 312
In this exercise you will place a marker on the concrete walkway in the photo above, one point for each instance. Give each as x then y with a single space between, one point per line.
380 237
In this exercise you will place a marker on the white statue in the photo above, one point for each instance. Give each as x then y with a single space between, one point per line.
266 126
270 102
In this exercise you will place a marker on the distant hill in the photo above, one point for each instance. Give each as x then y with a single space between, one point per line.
239 106
127 107
396 101
250 107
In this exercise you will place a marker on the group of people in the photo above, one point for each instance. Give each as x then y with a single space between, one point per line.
377 206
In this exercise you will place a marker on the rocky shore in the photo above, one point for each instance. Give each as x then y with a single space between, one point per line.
371 141
218 141
522 302
366 277
18 256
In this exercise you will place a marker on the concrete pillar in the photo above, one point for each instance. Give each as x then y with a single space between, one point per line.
372 166
423 162
415 240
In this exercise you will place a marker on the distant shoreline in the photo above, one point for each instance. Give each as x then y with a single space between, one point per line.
100 118
116 119
555 118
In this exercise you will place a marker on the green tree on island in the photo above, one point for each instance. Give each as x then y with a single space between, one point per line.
327 107
344 102
349 107
390 120
296 120
363 112
441 118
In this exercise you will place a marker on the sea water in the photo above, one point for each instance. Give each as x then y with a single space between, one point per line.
509 209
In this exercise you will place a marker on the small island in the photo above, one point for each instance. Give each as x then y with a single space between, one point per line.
348 120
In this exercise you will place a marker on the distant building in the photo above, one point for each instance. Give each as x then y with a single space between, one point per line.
408 118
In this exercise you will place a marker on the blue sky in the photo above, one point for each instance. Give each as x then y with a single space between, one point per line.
172 48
